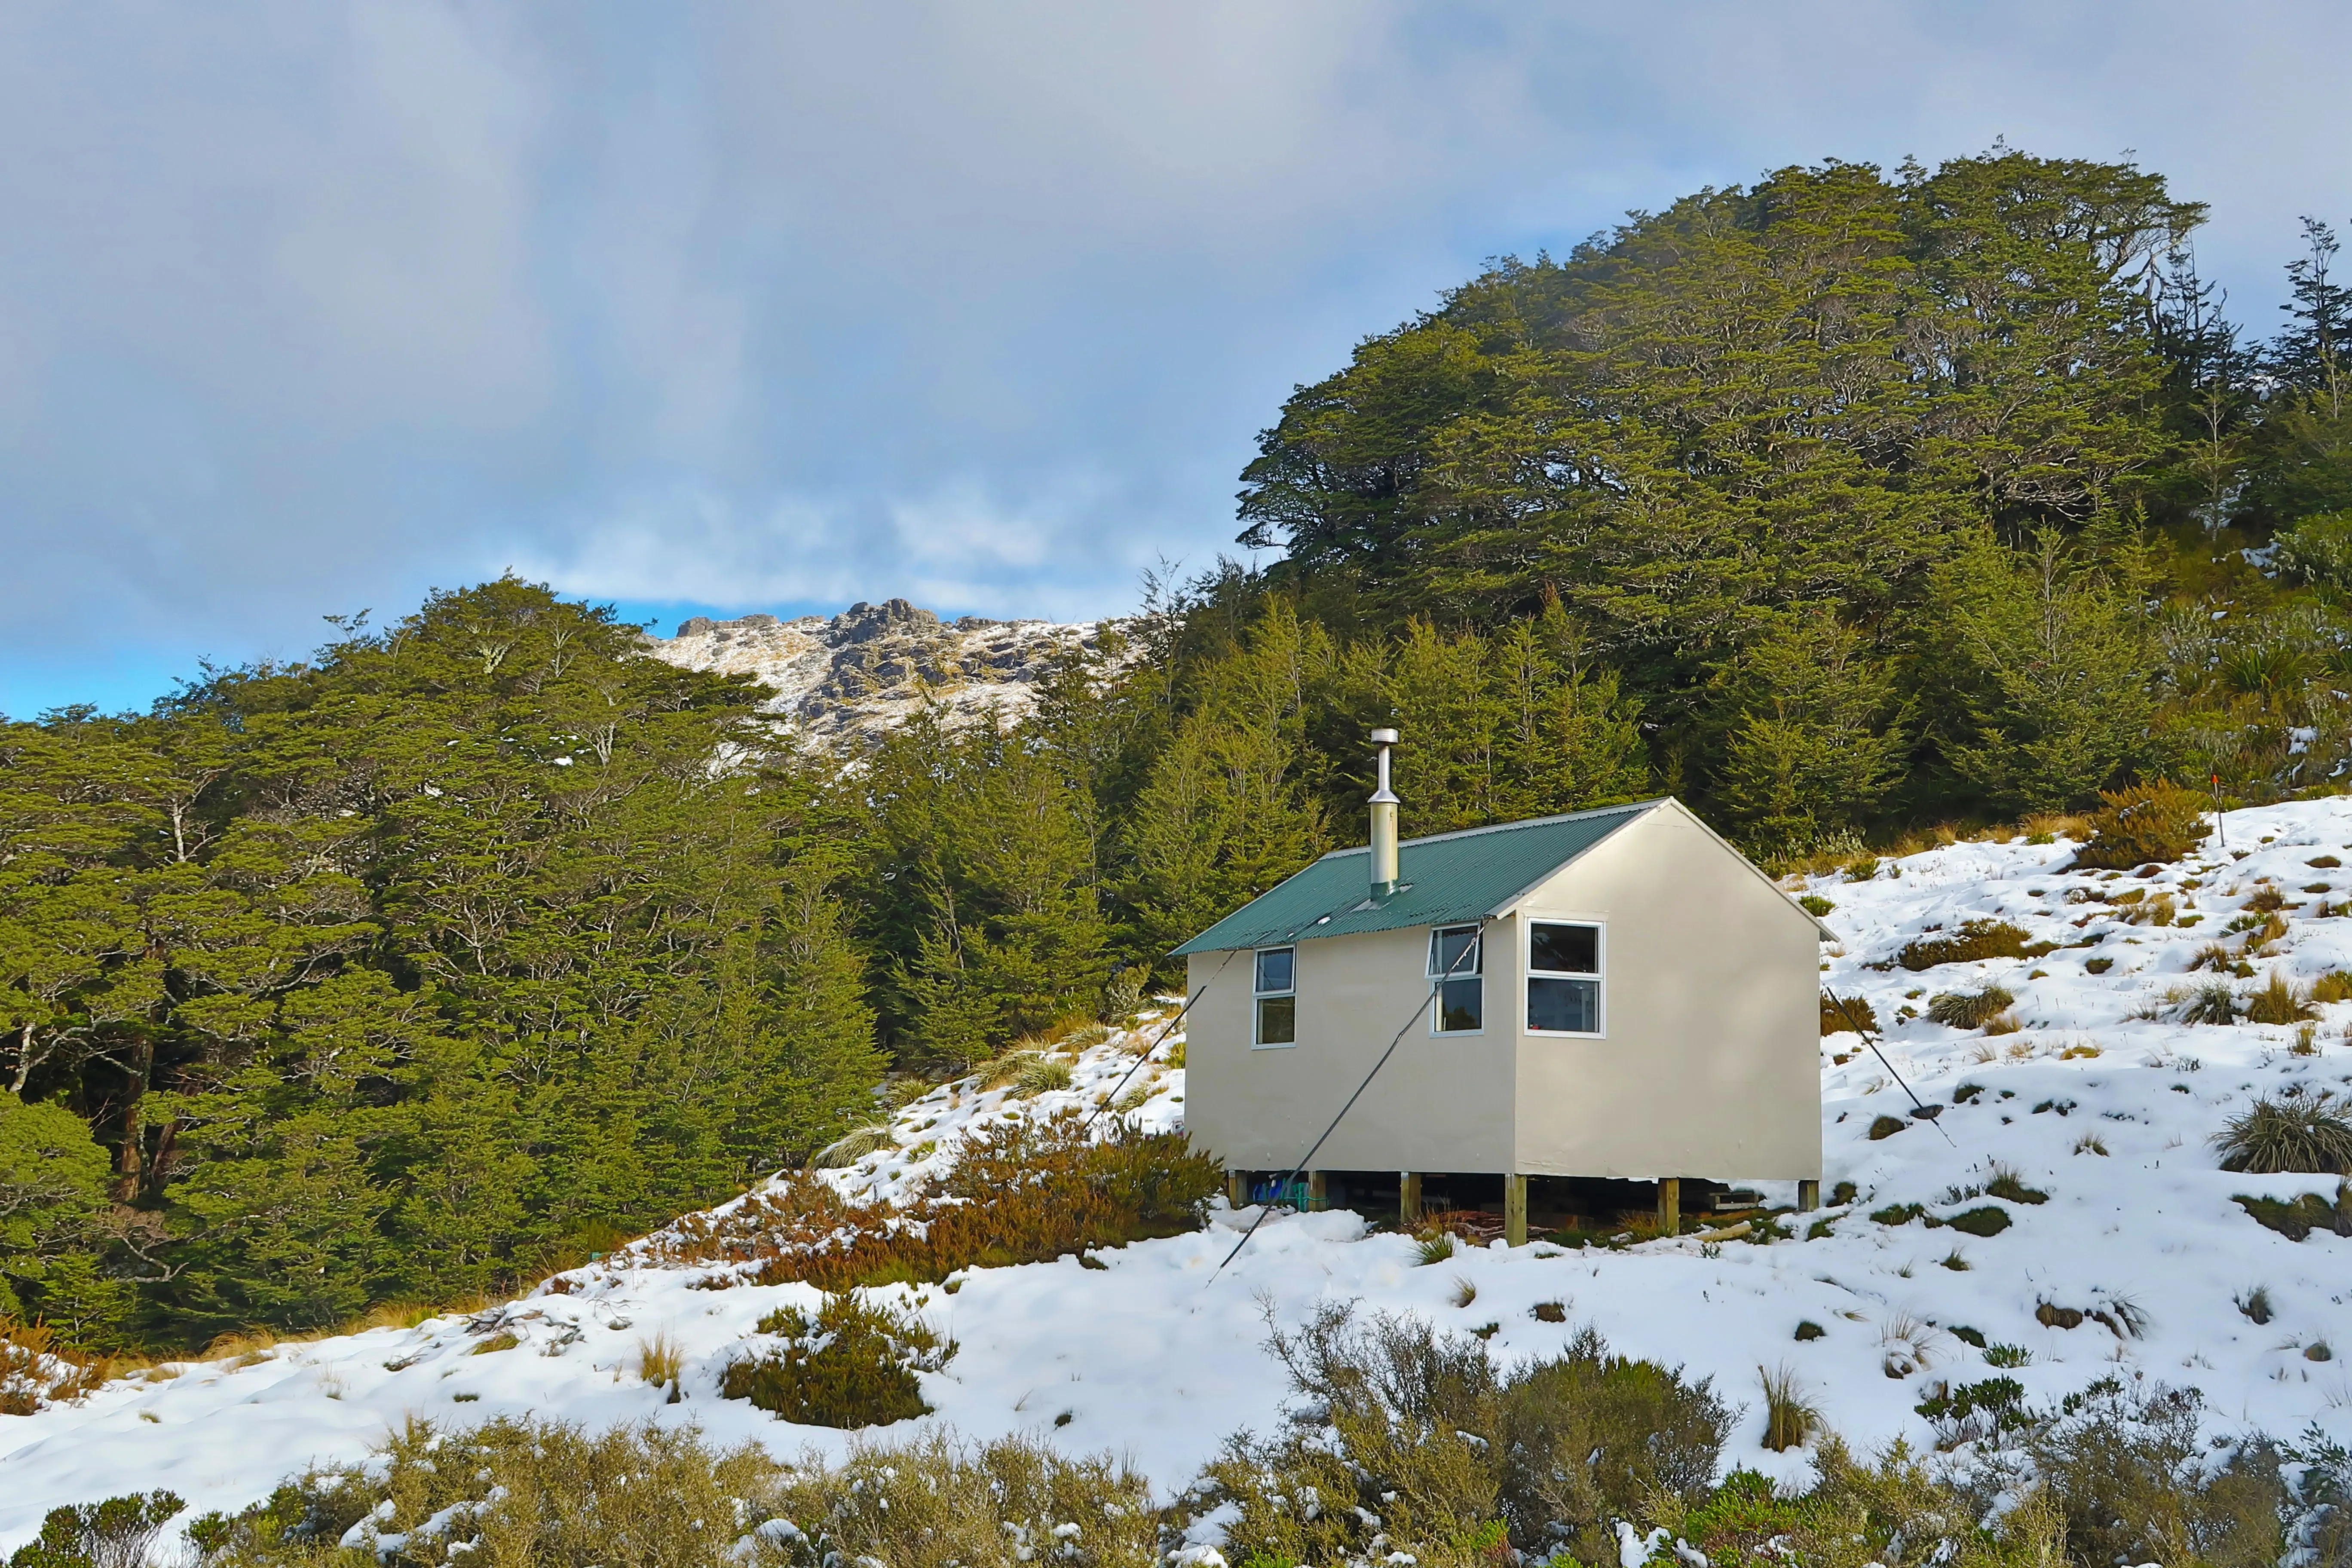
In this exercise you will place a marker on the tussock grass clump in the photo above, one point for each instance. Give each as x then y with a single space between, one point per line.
36 1369
1989 1220
2336 985
2256 1305
2277 1003
1435 1246
1790 1419
1407 1440
659 1360
851 1147
1041 1075
1841 1013
2304 1133
1022 1191
1970 1009
2212 1003
2007 1183
1007 1069
2296 1218
1977 939
2158 822
851 1366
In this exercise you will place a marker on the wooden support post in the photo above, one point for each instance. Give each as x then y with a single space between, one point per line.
1237 1185
1670 1205
1319 1193
1408 1198
1809 1196
1514 1210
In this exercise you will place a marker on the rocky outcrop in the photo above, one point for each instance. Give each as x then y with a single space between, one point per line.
842 682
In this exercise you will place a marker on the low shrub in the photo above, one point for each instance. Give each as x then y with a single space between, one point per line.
2316 550
2256 1305
1815 905
1972 1412
2135 1480
1022 1191
1407 1440
1886 1127
536 1492
515 1491
2303 1133
1977 939
2158 822
1970 1009
1893 1510
938 1503
852 1365
120 1533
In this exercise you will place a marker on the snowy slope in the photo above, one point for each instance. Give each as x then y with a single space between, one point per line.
1152 1358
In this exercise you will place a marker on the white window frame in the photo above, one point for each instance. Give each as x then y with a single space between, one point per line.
1437 998
1528 972
1257 996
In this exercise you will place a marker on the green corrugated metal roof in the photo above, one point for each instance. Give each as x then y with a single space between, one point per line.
1443 879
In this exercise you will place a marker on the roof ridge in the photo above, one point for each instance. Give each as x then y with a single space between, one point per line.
1630 806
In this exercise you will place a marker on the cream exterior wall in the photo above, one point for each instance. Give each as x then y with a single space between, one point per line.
1709 1065
1441 1104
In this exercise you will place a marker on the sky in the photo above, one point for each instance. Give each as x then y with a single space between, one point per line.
308 308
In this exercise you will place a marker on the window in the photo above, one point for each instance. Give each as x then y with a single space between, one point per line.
1456 968
1563 978
1278 997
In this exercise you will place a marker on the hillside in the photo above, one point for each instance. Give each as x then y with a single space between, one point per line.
2099 1108
845 680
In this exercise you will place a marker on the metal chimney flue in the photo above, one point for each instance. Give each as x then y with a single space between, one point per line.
1384 821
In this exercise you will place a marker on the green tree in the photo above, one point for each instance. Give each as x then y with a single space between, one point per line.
1815 736
2040 664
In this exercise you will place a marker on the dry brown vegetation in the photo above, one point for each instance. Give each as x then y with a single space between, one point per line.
1023 1189
2158 822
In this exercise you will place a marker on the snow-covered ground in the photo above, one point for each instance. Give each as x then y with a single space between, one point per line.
2103 1098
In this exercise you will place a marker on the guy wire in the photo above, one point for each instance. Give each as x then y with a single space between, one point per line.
1467 949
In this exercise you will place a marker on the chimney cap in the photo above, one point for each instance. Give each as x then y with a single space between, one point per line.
1384 737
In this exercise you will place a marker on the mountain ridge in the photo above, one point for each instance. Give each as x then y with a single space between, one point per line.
842 682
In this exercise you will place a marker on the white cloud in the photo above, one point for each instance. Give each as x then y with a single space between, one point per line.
307 307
